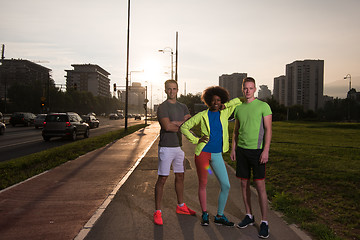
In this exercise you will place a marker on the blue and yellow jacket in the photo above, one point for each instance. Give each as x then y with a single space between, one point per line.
203 119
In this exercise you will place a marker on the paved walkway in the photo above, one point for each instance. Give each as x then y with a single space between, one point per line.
109 194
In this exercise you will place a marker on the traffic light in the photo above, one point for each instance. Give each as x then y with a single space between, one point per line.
42 102
114 87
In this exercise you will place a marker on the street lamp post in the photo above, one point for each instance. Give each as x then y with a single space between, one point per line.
348 95
145 104
346 77
170 50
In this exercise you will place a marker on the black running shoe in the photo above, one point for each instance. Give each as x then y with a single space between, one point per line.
223 221
246 222
264 230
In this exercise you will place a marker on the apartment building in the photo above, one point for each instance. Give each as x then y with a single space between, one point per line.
279 89
22 72
264 93
136 97
233 83
304 84
88 77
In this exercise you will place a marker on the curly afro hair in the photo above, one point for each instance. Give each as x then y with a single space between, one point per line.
209 92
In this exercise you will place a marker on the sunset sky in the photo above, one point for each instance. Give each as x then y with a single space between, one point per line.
215 37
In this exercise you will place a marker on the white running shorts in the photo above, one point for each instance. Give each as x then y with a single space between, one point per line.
170 156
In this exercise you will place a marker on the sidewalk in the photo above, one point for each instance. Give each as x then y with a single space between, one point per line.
109 194
58 203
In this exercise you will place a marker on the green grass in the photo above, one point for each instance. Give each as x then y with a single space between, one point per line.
20 169
313 177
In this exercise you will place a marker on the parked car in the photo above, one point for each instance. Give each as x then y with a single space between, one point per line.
39 120
68 124
113 116
24 118
138 117
2 128
91 120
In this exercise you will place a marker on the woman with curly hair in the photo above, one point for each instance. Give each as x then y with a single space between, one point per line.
214 140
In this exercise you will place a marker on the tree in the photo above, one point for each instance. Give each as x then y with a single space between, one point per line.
190 100
278 111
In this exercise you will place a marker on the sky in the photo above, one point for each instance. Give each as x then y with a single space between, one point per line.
215 37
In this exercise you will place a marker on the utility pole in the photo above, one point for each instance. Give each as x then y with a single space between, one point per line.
48 94
145 104
176 58
127 69
2 53
5 78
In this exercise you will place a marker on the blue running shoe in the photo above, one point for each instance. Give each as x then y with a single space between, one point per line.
205 219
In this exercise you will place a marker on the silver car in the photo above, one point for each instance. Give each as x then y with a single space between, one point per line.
39 120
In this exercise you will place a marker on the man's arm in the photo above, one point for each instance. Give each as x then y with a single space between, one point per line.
178 123
172 126
235 140
167 125
264 158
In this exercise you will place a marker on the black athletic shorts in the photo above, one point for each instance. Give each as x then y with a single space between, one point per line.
248 160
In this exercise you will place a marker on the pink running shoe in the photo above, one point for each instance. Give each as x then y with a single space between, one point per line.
184 210
157 218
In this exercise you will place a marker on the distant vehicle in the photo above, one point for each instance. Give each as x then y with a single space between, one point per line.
113 116
68 124
121 116
91 120
2 128
138 117
24 118
39 120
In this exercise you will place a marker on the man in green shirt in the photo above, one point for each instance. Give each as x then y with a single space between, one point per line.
250 148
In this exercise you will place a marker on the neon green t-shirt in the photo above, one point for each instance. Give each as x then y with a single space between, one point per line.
251 119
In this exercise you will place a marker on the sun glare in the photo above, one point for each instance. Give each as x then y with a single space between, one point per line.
153 72
153 76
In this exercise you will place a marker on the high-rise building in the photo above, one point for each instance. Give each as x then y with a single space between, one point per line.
264 92
304 84
23 72
89 77
136 97
233 83
279 89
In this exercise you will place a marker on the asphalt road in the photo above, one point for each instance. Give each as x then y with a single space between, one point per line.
21 141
